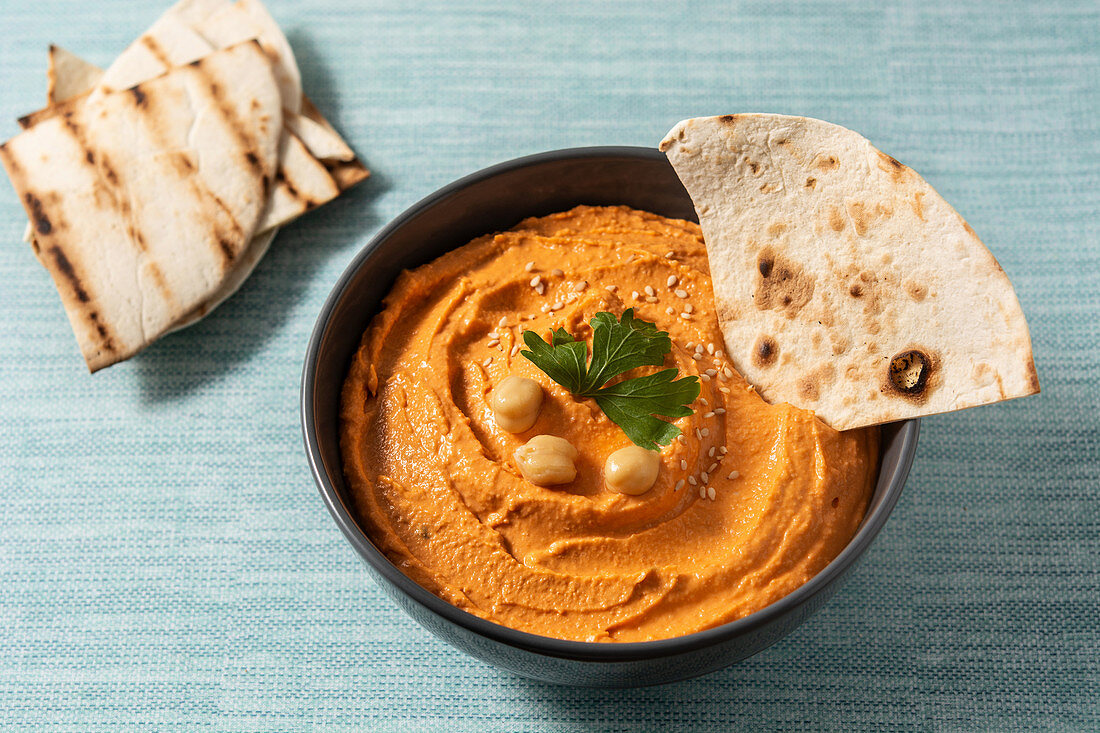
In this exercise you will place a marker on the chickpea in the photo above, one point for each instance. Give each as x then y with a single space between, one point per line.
516 402
546 460
632 470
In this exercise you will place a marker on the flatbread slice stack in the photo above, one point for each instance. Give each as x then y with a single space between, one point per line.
310 165
844 283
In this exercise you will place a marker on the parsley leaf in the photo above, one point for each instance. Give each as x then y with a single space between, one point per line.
617 347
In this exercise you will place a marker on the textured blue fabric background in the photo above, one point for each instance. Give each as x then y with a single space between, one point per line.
166 562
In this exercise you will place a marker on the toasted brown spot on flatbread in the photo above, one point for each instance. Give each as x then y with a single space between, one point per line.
916 291
254 162
776 228
782 284
108 171
810 385
227 249
765 351
826 162
65 267
42 223
836 219
160 282
856 290
807 389
811 182
860 217
728 119
138 95
835 502
1032 377
969 229
917 204
911 374
753 166
892 166
155 49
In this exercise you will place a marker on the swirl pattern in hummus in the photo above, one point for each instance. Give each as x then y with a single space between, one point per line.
750 502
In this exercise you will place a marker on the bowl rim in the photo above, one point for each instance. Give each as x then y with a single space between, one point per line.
549 646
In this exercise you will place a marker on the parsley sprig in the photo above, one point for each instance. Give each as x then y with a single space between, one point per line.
617 347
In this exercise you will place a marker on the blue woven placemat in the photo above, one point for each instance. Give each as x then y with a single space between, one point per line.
166 563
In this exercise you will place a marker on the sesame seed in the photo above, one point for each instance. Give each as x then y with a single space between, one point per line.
752 387
688 308
710 469
699 349
629 259
579 287
727 372
710 348
733 475
530 266
681 293
515 350
651 299
670 254
688 345
682 439
557 306
724 390
704 400
487 362
634 294
719 411
698 434
685 316
571 297
493 342
705 431
541 289
697 357
545 307
556 272
672 280
692 481
683 465
712 372
711 493
723 450
670 310
649 290
710 452
706 476
611 288
679 484
708 414
494 335
704 377
536 280
702 492
718 353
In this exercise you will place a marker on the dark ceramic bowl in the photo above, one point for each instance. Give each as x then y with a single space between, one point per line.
492 200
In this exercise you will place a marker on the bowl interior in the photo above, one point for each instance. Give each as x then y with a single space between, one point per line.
493 200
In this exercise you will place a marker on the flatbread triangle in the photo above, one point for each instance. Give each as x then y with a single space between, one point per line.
844 283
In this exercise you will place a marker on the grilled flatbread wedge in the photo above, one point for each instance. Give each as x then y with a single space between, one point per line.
314 167
144 200
844 283
322 164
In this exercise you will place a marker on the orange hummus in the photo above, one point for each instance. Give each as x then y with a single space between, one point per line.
750 502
